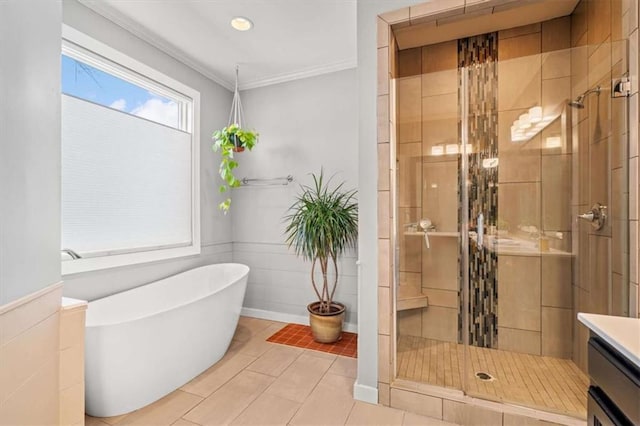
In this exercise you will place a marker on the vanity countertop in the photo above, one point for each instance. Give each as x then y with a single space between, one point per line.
620 332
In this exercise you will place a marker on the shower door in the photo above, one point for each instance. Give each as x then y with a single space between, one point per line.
499 150
548 156
428 220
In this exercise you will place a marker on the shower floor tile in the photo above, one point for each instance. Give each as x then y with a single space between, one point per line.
552 384
300 336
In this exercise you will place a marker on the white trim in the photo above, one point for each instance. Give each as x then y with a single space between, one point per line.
218 247
102 8
365 393
90 264
96 49
83 54
99 48
298 75
289 318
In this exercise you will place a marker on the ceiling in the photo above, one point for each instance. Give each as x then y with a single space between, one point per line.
290 39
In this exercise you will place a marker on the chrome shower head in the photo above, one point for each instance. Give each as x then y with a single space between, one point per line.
579 101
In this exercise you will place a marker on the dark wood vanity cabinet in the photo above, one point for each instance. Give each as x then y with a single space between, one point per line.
614 394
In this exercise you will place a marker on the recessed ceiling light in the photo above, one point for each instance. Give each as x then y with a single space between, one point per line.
241 23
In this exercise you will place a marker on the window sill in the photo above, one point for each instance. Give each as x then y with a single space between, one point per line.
77 266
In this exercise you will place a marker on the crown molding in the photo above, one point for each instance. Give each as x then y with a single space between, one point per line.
298 75
134 28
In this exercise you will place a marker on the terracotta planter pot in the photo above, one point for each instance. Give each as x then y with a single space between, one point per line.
326 328
237 144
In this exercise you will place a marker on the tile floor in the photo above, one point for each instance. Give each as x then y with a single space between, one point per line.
263 383
300 336
553 384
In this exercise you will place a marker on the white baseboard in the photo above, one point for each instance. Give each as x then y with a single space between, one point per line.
292 318
365 393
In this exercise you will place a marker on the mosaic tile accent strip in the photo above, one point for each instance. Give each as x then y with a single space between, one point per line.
478 58
300 336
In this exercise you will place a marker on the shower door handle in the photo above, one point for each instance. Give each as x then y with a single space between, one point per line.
480 230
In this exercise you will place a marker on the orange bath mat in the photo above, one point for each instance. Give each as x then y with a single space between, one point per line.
300 336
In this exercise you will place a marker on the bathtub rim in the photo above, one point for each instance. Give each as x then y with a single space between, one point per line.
245 274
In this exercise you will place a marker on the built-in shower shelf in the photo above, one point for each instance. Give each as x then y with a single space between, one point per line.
410 298
433 233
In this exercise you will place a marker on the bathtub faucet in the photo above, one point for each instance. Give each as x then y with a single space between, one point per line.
71 253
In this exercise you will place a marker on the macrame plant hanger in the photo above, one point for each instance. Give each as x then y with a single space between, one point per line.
236 115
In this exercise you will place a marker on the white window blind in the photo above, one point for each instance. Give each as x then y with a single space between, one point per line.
126 182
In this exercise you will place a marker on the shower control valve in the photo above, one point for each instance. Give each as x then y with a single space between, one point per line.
597 216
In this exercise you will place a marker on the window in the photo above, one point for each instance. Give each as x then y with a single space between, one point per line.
130 160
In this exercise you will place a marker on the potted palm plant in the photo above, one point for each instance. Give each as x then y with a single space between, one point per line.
322 224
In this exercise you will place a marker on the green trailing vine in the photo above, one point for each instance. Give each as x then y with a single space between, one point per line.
228 141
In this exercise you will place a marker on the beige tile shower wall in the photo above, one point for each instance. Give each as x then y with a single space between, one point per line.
427 88
409 180
589 67
440 128
29 359
534 314
540 47
599 32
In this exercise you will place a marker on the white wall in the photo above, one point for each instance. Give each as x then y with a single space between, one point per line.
215 104
304 125
366 382
29 210
29 147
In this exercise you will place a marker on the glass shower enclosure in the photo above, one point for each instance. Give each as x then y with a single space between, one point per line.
510 213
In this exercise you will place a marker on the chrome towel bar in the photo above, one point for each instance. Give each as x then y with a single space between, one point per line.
278 181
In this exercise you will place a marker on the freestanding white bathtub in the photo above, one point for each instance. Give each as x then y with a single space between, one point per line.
144 343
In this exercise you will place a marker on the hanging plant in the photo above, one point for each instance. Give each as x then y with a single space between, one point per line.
229 140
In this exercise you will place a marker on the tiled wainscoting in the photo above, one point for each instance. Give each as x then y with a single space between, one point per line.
279 282
29 359
72 322
42 360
